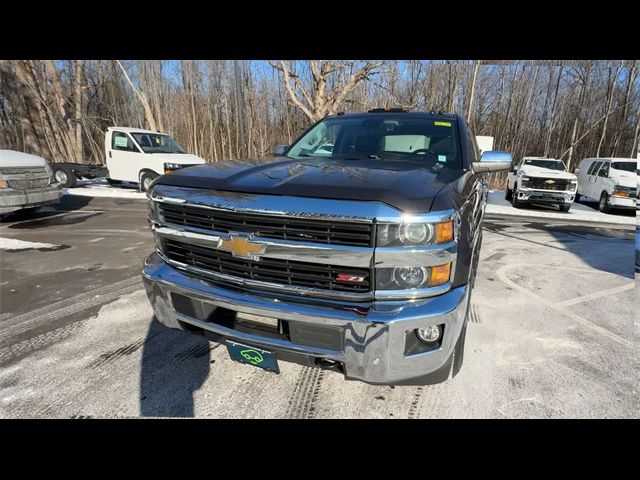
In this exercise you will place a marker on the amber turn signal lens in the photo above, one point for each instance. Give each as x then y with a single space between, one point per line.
439 275
444 232
618 193
3 184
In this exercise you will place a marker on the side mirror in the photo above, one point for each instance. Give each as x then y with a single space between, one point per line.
493 161
280 149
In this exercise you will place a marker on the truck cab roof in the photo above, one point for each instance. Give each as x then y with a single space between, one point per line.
132 129
398 112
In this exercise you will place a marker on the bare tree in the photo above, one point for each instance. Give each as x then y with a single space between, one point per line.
318 99
148 112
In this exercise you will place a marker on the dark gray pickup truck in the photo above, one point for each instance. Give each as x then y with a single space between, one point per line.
355 249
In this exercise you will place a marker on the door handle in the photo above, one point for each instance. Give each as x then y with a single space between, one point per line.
109 153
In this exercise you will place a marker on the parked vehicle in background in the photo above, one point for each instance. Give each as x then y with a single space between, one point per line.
362 261
612 182
132 155
26 183
544 181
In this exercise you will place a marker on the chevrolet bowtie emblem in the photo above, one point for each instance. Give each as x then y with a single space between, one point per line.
550 181
242 247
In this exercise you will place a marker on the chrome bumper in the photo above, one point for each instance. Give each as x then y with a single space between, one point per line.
12 200
545 196
374 343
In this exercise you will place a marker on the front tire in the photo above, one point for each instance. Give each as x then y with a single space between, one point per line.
65 176
565 208
578 196
603 205
145 180
514 199
508 195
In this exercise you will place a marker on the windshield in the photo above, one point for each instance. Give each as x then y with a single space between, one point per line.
626 166
550 164
157 143
382 137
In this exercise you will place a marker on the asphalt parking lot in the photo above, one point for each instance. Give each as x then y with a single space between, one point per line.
550 334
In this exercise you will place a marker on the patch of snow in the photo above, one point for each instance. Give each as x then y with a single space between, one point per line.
100 188
498 205
15 244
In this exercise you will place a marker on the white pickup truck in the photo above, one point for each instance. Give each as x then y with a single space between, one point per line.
544 181
26 183
132 155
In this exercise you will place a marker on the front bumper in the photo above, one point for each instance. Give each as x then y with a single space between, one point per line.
12 200
373 347
545 196
622 202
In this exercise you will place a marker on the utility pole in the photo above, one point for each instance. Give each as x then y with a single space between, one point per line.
239 99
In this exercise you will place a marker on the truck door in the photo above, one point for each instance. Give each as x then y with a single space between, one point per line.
123 157
592 176
601 180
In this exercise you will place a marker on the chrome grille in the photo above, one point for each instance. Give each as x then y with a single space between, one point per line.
26 184
282 272
21 170
269 226
540 184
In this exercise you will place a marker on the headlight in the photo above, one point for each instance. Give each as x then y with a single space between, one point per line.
414 234
406 278
153 211
170 167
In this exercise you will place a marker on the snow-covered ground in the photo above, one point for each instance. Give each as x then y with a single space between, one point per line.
15 244
498 205
100 188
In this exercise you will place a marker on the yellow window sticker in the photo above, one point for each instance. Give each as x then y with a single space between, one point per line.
442 124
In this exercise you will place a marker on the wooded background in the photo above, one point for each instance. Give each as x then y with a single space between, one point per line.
223 110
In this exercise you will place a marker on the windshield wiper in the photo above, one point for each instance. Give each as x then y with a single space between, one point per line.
363 157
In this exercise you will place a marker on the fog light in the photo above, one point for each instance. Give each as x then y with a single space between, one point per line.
410 277
429 334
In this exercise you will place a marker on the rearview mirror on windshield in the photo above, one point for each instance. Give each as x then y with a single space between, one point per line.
493 161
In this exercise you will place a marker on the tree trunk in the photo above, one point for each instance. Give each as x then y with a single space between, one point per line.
473 89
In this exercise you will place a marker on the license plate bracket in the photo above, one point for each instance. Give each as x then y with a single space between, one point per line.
254 356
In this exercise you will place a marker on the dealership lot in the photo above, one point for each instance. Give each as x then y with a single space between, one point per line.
550 334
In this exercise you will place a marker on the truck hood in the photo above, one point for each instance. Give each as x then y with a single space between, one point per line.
179 158
621 177
11 158
407 186
533 171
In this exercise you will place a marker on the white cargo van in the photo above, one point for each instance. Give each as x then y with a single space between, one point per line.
612 182
132 155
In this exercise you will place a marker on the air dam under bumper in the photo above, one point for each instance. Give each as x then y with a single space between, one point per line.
12 200
374 344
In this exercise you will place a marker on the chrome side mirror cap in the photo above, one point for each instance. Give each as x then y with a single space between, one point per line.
280 149
493 161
